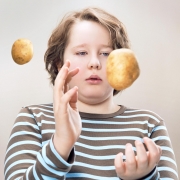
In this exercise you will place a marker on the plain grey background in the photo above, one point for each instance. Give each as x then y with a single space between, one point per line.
154 30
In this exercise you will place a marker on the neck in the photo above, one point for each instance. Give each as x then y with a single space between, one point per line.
105 107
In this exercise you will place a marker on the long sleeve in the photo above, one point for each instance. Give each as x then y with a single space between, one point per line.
167 166
27 157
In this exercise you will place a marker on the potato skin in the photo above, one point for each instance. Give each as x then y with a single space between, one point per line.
122 68
22 51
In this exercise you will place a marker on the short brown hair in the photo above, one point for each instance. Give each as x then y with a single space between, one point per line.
60 36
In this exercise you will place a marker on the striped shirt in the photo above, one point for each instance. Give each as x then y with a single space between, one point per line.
31 154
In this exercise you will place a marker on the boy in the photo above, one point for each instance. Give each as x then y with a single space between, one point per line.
84 134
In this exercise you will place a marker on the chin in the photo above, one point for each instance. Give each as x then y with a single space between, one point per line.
93 99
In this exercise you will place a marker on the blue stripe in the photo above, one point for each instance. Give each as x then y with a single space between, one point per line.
46 159
119 123
25 114
56 172
159 128
45 142
25 124
166 178
20 152
139 115
102 147
23 142
35 173
58 156
114 130
167 169
48 178
19 162
163 158
111 138
84 175
102 168
16 172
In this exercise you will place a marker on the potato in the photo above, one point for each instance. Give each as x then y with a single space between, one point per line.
22 51
122 68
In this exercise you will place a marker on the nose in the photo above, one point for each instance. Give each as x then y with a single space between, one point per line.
94 63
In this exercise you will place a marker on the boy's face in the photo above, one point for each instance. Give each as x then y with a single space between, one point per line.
88 48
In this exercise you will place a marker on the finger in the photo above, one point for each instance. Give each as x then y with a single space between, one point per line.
69 77
142 158
119 164
130 158
67 97
154 151
59 84
73 101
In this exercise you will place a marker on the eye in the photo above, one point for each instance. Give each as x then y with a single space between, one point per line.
105 54
82 53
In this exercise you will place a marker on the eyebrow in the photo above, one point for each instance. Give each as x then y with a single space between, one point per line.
84 45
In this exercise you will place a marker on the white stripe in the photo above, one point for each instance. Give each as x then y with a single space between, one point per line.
41 109
103 168
167 169
102 147
115 130
163 158
27 172
20 152
19 162
25 114
140 110
25 124
20 133
110 138
23 142
35 173
165 148
41 113
48 131
16 172
139 115
119 123
161 138
159 128
95 157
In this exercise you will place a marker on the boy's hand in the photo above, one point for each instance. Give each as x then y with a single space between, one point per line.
67 119
136 167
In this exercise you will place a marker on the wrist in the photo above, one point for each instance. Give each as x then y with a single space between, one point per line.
63 147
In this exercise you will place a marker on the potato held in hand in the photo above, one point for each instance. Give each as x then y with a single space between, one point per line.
122 68
22 51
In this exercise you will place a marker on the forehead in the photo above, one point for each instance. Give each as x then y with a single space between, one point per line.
89 32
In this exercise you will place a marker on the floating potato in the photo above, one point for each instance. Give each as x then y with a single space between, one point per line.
22 51
122 68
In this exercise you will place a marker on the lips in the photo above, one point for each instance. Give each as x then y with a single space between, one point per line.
94 77
94 80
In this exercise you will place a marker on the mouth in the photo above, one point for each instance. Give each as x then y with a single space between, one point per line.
94 79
